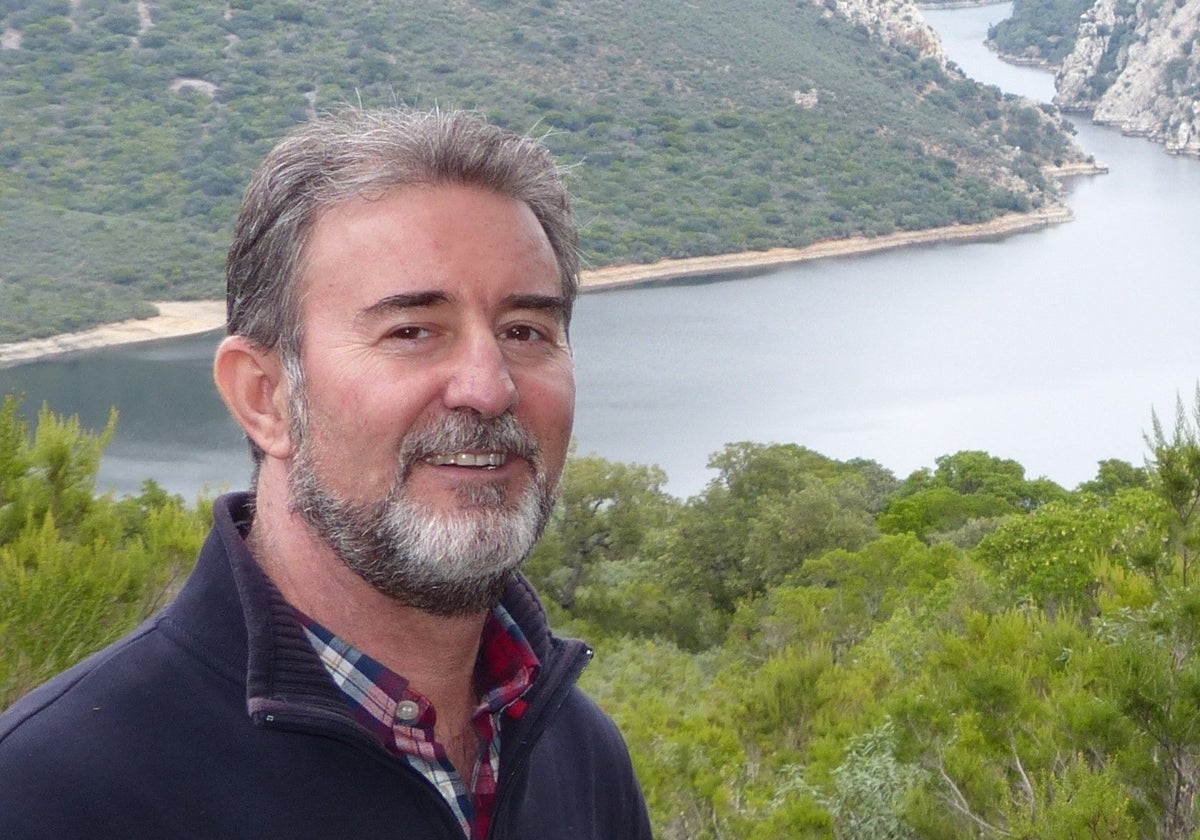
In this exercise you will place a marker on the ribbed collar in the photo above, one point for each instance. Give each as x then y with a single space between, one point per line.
242 619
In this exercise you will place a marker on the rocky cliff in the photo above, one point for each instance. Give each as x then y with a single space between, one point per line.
900 23
897 22
1136 66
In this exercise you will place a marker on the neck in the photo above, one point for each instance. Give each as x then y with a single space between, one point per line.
435 654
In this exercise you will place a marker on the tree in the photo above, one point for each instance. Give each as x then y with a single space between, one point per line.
53 473
1054 555
1175 476
984 715
76 570
1114 474
972 471
1153 669
606 511
966 486
769 509
940 510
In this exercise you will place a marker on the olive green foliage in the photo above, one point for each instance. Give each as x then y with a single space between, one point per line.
127 131
965 490
768 509
801 650
1176 477
1114 475
1042 31
76 570
855 667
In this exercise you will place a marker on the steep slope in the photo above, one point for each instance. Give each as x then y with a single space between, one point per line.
127 129
1136 65
895 22
1039 32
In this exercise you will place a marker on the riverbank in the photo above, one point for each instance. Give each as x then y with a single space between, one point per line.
755 262
182 318
175 319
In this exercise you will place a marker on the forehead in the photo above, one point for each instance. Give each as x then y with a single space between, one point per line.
428 231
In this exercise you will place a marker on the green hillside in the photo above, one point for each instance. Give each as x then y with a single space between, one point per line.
1039 31
127 131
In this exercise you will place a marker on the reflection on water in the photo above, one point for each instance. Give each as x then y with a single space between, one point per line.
172 425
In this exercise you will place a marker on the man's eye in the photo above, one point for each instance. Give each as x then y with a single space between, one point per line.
523 332
408 333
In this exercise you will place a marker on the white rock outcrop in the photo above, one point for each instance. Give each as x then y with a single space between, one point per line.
897 22
900 22
1136 66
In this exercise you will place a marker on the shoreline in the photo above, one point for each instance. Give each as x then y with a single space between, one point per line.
177 319
757 262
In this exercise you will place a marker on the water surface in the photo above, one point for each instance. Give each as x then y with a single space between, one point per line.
1051 347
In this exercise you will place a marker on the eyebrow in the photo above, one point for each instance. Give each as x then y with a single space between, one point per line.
543 303
408 300
416 300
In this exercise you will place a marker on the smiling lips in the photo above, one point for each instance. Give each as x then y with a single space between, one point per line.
486 460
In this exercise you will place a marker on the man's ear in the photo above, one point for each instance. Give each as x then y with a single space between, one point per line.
251 382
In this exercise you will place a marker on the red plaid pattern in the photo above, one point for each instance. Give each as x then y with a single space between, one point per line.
402 720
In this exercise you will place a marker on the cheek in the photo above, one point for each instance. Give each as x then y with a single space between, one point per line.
548 409
359 425
367 396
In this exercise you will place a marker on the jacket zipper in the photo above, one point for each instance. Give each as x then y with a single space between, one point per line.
559 691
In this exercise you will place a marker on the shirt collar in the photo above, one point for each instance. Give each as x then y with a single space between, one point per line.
505 669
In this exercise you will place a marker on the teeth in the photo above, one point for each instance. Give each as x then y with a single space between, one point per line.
467 459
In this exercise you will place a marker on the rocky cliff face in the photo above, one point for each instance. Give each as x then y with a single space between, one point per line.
896 22
900 22
1136 65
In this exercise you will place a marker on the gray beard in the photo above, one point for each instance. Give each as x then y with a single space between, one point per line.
444 564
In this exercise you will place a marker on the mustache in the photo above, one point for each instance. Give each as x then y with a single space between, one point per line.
461 431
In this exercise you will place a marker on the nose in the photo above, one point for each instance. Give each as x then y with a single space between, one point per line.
480 379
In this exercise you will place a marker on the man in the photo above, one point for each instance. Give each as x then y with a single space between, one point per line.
356 654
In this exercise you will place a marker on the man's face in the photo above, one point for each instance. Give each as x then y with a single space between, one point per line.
438 391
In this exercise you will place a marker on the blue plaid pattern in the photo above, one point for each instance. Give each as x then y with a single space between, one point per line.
402 719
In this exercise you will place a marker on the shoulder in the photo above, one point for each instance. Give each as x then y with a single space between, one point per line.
72 751
54 742
81 686
580 714
580 781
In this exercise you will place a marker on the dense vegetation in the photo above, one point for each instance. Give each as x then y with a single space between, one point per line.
807 648
77 571
1040 31
127 130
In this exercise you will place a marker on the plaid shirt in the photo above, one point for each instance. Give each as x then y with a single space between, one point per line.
402 720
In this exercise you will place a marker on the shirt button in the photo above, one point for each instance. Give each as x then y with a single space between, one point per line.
407 710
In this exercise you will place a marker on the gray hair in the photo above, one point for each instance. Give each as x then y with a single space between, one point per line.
340 156
352 153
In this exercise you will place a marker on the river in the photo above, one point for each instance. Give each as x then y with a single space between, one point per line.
1051 348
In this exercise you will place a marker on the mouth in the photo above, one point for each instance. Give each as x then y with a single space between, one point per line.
476 460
